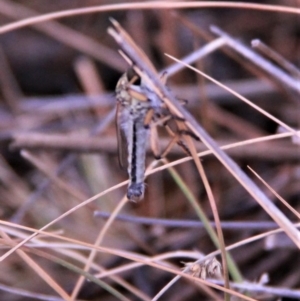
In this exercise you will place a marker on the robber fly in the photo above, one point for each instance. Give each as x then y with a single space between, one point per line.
137 106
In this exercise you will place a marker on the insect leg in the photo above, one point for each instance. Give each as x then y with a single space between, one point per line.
148 118
154 142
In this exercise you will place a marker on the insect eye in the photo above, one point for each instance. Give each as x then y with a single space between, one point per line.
131 74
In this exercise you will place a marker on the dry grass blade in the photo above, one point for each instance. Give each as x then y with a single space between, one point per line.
65 35
195 56
142 5
97 243
27 294
151 78
212 201
151 262
186 223
275 193
244 180
225 147
38 270
84 203
258 60
157 258
60 183
278 121
258 288
141 55
59 148
214 237
279 59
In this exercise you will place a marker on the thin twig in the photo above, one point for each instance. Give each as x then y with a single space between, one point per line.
274 151
28 294
195 56
173 223
71 103
275 56
258 288
259 61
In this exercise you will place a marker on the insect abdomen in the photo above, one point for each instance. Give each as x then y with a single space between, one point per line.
136 159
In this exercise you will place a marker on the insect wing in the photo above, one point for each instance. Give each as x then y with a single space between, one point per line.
122 142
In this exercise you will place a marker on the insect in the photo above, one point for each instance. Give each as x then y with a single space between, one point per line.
137 106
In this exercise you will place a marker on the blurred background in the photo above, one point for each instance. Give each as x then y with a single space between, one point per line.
59 146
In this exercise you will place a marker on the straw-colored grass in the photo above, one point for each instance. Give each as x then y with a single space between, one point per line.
54 244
